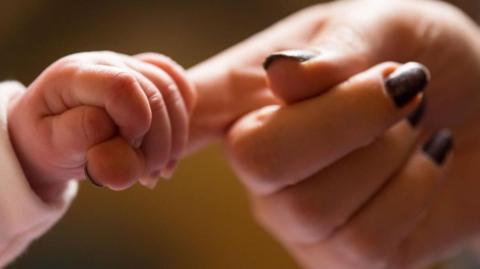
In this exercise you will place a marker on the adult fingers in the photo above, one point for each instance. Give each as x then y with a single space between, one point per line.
340 48
296 75
313 209
279 146
408 194
375 232
452 221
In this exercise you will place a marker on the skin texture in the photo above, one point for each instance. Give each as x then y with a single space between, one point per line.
336 193
128 117
334 199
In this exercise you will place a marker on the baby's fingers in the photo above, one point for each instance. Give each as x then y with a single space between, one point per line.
78 129
114 164
112 88
176 72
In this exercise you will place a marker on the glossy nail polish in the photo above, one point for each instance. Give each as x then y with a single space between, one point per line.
416 116
406 82
439 146
297 55
89 177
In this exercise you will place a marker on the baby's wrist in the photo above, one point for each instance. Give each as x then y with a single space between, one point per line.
45 185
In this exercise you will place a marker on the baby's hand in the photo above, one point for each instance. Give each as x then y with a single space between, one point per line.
115 117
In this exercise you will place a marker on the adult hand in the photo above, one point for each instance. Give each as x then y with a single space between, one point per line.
342 184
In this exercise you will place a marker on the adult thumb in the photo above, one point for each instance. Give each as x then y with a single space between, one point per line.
295 75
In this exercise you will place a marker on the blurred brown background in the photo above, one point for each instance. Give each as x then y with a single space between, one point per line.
201 218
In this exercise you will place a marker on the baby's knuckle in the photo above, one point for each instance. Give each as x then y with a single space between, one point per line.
157 102
122 86
160 57
124 81
172 93
66 67
96 124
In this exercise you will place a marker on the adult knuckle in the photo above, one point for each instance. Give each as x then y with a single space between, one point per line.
364 249
253 164
301 213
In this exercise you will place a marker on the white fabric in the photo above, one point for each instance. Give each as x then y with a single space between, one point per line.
23 215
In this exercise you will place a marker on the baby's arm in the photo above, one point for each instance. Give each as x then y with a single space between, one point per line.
23 215
118 118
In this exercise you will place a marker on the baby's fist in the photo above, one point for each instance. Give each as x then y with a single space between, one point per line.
118 118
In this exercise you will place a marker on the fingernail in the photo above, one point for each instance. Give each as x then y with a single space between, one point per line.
149 183
416 116
137 142
406 82
169 169
439 146
297 55
89 177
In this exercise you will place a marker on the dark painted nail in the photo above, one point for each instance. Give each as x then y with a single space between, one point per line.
439 146
297 55
406 82
416 116
89 177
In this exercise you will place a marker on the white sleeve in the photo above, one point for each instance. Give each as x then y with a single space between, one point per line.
23 215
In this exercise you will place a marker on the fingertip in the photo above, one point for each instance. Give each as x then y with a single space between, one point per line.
406 82
178 74
149 182
396 91
114 164
90 178
133 123
295 75
298 56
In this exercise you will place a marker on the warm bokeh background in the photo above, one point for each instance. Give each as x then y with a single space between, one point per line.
201 218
